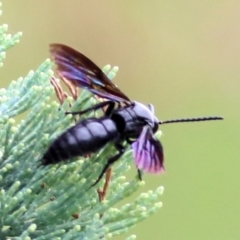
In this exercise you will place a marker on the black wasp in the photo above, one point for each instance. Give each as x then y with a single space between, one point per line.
123 120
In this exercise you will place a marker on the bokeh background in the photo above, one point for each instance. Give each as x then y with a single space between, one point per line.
182 56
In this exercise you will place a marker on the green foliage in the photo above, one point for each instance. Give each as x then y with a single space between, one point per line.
57 202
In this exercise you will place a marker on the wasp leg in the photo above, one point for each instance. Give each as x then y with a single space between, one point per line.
113 159
139 175
130 141
110 108
97 106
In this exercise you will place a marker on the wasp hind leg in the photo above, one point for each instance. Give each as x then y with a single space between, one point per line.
110 106
113 159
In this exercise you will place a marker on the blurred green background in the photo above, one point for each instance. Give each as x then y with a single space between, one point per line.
182 56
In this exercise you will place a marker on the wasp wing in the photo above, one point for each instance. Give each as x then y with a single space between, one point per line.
148 152
80 70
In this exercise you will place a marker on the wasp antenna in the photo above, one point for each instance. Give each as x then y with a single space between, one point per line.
200 119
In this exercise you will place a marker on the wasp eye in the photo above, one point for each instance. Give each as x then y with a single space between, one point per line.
155 127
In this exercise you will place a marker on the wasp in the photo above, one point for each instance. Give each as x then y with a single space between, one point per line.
123 121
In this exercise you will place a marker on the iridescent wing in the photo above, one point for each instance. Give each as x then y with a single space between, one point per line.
148 152
77 68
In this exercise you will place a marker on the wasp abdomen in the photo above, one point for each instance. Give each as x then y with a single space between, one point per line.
86 137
